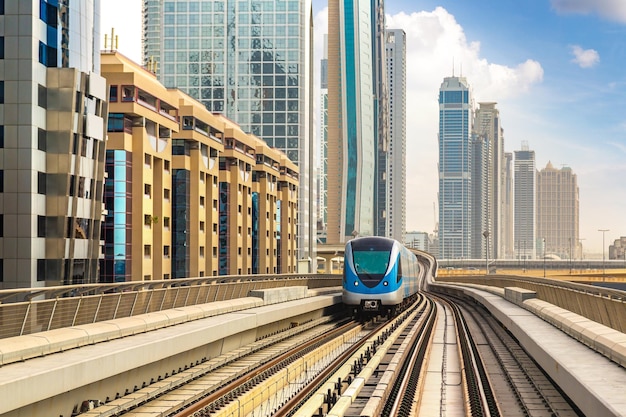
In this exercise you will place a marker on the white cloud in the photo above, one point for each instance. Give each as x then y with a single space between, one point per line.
434 41
585 58
610 9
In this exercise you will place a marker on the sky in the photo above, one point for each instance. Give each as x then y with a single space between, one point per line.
556 68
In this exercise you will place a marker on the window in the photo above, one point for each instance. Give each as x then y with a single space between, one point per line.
166 194
47 55
147 250
166 165
147 220
41 226
166 252
41 183
41 269
113 94
1 47
202 251
128 93
166 222
214 252
201 201
41 139
148 161
42 96
147 190
202 227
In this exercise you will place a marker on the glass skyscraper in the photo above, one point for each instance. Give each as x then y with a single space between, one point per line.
355 65
525 203
455 171
53 109
251 61
396 156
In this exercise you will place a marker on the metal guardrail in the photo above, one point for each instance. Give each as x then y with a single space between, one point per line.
32 310
603 305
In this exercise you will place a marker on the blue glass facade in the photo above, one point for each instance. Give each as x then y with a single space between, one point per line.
180 223
116 265
223 229
360 114
455 119
48 51
248 60
255 232
278 238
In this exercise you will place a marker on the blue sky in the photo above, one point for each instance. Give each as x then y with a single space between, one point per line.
557 69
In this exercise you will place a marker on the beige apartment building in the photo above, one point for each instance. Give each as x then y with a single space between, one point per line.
188 193
557 212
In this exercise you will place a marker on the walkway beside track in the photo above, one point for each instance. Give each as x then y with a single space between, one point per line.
592 378
50 382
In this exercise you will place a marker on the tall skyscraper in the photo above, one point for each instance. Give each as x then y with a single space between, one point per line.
525 203
53 108
355 43
381 121
488 126
455 132
251 61
396 156
481 152
323 155
507 208
558 210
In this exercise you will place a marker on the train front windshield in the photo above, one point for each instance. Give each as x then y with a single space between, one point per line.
371 259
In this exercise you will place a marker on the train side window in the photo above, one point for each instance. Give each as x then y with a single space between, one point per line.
399 277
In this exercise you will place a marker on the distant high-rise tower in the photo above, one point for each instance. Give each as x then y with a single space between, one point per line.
481 152
323 168
558 210
507 208
455 131
525 203
54 109
353 116
382 185
396 156
250 61
487 125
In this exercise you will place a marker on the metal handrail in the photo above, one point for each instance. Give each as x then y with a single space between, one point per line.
33 310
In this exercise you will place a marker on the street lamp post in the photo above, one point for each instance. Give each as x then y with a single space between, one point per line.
580 244
603 267
544 257
486 235
570 255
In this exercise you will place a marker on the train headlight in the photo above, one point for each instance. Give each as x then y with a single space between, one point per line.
356 283
385 283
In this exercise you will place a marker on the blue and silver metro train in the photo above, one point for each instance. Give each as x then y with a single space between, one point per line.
379 275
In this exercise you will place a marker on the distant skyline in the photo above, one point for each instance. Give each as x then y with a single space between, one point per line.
555 68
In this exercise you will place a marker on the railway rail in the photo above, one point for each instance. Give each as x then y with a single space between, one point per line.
381 368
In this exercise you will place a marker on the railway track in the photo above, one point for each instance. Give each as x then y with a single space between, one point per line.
442 356
521 387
